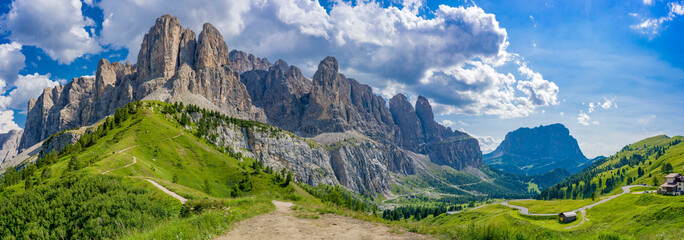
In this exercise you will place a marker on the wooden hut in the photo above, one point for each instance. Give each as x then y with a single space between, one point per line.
567 216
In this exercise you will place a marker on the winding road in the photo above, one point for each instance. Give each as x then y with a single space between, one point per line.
524 210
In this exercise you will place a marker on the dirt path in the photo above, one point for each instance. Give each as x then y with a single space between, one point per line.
281 224
584 218
169 192
127 165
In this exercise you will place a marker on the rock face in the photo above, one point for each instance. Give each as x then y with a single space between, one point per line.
538 150
420 133
174 64
361 165
9 142
243 62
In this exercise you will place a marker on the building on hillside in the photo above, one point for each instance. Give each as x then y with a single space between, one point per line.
674 185
567 216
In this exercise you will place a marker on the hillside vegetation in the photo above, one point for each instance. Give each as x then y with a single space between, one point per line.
644 162
97 188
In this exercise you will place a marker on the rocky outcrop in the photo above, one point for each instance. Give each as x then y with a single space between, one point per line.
243 62
361 165
420 133
9 144
59 141
338 104
281 92
405 117
538 150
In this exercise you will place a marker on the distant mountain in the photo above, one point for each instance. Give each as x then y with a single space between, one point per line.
532 151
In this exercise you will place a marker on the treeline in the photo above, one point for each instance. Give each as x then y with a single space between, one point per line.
415 212
209 119
341 197
26 172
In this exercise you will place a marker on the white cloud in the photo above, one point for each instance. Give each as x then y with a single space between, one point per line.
648 2
27 87
7 121
562 114
56 26
652 26
447 123
583 119
11 61
478 88
595 122
606 104
487 143
646 120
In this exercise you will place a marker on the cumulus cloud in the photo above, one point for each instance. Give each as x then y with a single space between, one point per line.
56 26
478 88
11 61
648 2
583 119
652 26
7 121
26 87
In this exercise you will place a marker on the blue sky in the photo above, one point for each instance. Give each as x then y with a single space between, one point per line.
610 71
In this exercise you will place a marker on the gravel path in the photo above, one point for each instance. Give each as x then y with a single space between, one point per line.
281 224
128 165
169 192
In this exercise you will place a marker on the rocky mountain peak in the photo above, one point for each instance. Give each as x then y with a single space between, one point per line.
159 50
212 51
243 62
327 69
281 64
538 150
405 117
424 110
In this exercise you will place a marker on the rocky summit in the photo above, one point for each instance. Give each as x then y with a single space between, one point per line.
365 138
538 150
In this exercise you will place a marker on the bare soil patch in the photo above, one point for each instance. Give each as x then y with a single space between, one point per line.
283 224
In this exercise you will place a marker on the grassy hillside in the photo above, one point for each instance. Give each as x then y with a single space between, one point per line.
99 188
644 162
630 216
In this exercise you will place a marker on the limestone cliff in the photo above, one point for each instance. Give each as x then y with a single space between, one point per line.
8 145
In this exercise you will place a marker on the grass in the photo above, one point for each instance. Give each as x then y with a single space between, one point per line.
553 206
209 224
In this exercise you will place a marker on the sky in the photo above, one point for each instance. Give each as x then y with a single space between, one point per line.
610 71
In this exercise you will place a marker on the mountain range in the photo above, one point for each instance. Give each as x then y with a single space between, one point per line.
365 137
